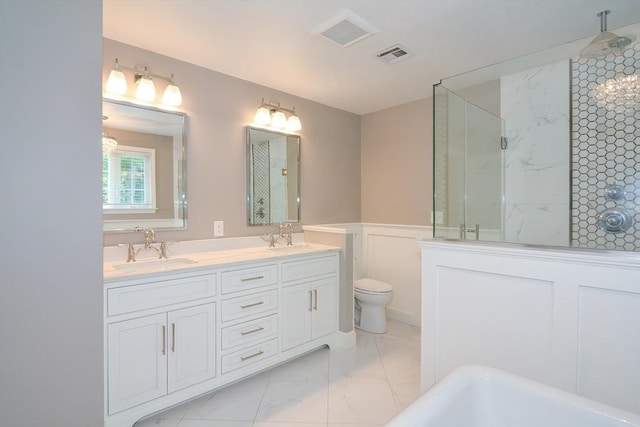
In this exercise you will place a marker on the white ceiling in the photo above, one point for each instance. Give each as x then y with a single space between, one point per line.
270 42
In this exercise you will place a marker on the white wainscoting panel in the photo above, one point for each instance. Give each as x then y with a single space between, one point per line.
569 319
609 346
494 320
390 253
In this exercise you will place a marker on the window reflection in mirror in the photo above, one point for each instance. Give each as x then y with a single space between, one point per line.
143 177
273 177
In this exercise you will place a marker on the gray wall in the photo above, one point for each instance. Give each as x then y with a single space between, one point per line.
397 164
219 108
50 226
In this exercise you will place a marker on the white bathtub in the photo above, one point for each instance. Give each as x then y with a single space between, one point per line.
477 396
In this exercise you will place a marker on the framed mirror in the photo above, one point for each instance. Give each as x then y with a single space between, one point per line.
143 167
273 177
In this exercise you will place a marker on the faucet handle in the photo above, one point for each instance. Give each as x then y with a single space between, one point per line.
131 252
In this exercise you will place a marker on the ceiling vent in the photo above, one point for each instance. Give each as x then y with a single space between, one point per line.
393 54
345 29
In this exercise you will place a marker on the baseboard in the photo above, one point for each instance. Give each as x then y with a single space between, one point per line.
403 316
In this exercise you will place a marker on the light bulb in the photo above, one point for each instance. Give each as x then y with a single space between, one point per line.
172 95
263 116
116 83
293 123
146 90
278 119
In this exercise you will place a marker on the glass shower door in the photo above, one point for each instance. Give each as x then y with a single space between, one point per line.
484 175
468 170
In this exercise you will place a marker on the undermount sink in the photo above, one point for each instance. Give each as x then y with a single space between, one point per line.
154 264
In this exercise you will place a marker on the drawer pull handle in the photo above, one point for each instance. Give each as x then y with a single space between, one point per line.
164 340
173 338
315 300
253 355
310 301
248 279
253 331
252 305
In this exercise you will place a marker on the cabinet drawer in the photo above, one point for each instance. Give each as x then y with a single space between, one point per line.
249 305
161 293
249 356
249 332
296 270
249 278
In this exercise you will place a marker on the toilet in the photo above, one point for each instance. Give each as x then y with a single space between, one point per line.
371 299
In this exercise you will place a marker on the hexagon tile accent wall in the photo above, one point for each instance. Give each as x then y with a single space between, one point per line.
606 150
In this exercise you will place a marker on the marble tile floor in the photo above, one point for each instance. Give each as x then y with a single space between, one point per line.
364 386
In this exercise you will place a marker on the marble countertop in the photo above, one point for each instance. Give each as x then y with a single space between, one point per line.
151 267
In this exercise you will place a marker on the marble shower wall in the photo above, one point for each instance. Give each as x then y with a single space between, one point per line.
535 106
606 149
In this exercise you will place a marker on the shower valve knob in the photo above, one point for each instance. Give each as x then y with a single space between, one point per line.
613 220
614 192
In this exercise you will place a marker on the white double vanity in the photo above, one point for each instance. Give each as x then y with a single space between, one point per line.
180 327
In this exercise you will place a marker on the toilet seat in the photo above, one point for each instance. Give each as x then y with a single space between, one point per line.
372 286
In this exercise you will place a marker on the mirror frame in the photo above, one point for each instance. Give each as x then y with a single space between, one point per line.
179 221
248 171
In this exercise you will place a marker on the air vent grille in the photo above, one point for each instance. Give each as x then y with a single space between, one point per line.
393 54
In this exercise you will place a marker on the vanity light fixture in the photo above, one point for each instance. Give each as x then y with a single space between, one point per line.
273 115
117 82
109 144
145 88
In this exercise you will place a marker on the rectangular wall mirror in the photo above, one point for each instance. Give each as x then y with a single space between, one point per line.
144 172
273 177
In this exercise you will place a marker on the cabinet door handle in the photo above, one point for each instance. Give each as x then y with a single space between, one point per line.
164 340
253 331
253 355
173 338
310 300
252 305
248 279
315 299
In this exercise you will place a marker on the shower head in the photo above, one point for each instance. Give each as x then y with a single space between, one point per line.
605 42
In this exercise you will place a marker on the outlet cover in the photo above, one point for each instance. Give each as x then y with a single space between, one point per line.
218 228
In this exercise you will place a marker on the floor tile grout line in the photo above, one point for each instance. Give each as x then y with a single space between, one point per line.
264 393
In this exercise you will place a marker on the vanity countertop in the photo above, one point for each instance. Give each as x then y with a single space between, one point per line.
152 267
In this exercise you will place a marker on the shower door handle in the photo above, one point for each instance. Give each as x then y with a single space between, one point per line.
464 230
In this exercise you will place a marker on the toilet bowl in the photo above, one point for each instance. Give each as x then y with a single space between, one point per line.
372 297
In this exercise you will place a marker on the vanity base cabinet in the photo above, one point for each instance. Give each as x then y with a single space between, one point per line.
170 338
309 311
151 356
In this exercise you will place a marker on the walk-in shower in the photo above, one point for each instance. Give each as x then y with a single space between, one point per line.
544 150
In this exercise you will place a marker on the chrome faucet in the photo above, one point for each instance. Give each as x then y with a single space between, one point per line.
131 253
288 229
149 238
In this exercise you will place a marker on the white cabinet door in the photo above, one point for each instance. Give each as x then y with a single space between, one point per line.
324 317
137 361
191 346
309 311
297 303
